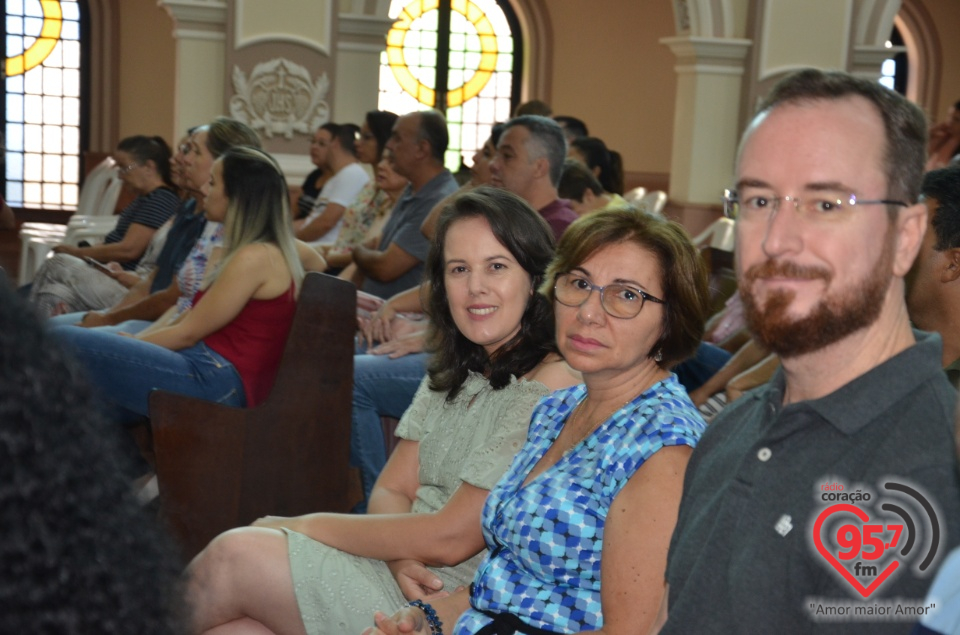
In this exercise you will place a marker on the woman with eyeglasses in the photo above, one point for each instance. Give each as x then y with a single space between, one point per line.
577 531
144 166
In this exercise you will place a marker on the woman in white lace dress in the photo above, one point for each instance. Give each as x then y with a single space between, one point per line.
494 358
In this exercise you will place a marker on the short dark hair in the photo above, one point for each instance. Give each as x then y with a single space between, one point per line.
495 133
598 156
944 186
380 123
686 301
548 136
433 130
576 180
529 239
78 553
904 123
345 133
573 128
143 149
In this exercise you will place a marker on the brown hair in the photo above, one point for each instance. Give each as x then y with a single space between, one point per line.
904 123
684 276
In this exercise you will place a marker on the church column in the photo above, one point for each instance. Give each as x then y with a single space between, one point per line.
200 33
706 124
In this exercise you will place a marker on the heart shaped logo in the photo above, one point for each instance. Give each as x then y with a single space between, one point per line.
865 591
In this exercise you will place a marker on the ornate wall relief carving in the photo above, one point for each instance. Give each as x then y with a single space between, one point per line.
280 98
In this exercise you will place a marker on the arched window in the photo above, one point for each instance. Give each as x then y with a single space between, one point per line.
43 103
894 71
462 57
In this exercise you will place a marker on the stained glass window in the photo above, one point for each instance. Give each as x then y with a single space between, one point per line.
461 57
42 94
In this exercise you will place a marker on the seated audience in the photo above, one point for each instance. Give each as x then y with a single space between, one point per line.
605 164
317 178
144 165
933 284
322 225
127 284
579 185
77 553
944 145
529 162
190 242
578 528
367 214
226 348
495 359
417 143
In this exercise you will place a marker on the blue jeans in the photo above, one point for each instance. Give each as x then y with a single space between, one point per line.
71 319
124 371
381 387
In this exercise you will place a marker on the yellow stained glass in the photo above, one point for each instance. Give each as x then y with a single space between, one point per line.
396 58
43 45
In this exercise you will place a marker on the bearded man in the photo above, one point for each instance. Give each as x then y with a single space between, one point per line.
800 497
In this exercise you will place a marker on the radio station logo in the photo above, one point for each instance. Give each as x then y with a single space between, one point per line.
868 539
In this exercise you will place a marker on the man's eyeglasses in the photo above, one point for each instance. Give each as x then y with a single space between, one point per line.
618 300
750 205
127 169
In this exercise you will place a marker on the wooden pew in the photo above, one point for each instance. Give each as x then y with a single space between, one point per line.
220 467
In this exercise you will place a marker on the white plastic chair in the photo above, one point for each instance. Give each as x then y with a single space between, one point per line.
654 202
719 235
98 196
37 245
635 194
93 220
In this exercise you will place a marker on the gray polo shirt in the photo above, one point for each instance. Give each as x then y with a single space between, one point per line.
742 558
403 228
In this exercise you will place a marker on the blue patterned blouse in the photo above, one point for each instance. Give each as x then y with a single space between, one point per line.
545 540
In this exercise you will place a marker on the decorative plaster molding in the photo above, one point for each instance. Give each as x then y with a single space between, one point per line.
721 54
280 98
197 11
867 60
199 34
283 37
320 44
365 25
360 47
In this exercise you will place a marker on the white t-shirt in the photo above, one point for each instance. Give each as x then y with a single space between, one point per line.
342 189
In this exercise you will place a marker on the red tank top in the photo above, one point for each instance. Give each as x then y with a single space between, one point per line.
253 341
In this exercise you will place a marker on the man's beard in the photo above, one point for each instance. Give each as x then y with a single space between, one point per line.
832 319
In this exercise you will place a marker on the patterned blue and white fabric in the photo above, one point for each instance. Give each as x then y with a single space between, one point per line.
545 539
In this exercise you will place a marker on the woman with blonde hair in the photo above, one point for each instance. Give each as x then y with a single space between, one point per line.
226 348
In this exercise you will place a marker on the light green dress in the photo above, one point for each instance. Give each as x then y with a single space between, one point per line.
472 439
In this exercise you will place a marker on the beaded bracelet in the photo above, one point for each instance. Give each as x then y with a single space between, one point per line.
436 626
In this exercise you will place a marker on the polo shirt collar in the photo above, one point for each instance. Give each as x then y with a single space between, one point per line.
854 405
430 186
